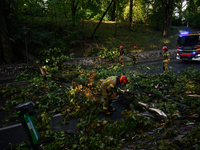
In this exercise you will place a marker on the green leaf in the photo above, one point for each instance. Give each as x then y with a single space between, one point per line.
75 146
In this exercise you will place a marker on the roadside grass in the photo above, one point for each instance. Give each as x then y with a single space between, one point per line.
109 36
144 37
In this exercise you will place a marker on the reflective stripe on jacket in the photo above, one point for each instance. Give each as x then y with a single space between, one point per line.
110 82
135 52
166 57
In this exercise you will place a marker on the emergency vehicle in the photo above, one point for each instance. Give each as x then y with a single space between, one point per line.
188 46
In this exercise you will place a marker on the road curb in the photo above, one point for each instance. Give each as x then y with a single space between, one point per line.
9 72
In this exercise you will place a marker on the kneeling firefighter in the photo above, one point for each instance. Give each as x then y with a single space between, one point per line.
108 85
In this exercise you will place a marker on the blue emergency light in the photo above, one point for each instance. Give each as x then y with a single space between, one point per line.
194 52
184 32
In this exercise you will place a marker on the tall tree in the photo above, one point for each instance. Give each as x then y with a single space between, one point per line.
102 19
130 13
180 7
8 55
74 6
82 16
168 8
113 10
192 7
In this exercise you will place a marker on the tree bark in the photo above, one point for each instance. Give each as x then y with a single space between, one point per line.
7 50
180 12
73 8
113 11
168 8
82 18
34 60
101 19
64 77
130 13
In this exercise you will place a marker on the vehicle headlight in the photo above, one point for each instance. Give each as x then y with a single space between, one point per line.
198 55
177 54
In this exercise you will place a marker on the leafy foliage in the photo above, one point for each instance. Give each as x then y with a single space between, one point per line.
82 100
111 54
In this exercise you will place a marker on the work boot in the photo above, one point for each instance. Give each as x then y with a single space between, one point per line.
111 109
106 112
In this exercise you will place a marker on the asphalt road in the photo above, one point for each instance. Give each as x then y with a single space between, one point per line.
14 132
154 67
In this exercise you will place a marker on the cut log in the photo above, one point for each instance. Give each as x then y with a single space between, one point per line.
34 60
64 77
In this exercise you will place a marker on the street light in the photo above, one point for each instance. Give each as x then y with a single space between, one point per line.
25 31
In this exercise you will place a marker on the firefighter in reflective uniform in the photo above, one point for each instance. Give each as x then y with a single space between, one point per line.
135 55
108 86
121 55
166 59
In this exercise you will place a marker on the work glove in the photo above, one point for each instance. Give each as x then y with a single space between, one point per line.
107 91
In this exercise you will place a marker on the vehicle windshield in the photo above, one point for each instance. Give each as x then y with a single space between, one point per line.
189 40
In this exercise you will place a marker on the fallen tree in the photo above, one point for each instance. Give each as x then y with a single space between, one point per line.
34 61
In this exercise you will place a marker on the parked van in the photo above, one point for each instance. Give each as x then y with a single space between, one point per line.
188 46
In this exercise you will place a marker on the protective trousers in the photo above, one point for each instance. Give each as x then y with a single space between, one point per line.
107 105
134 59
135 54
121 59
166 61
165 68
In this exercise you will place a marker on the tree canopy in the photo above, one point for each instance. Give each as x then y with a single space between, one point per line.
66 16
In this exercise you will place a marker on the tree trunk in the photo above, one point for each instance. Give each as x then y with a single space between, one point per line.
102 19
113 11
180 12
130 13
165 25
8 54
73 8
168 7
82 19
115 28
33 59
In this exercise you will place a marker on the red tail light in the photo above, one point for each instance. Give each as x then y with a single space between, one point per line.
177 49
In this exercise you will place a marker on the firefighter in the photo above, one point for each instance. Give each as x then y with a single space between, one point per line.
121 55
166 59
108 86
135 55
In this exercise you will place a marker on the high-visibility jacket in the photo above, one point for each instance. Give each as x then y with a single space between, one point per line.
121 52
135 53
166 57
109 84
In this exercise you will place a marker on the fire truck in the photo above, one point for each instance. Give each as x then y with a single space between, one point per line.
188 46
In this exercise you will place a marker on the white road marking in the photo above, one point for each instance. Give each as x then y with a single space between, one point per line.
19 124
9 127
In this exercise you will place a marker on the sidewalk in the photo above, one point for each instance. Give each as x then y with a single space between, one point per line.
155 55
8 72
